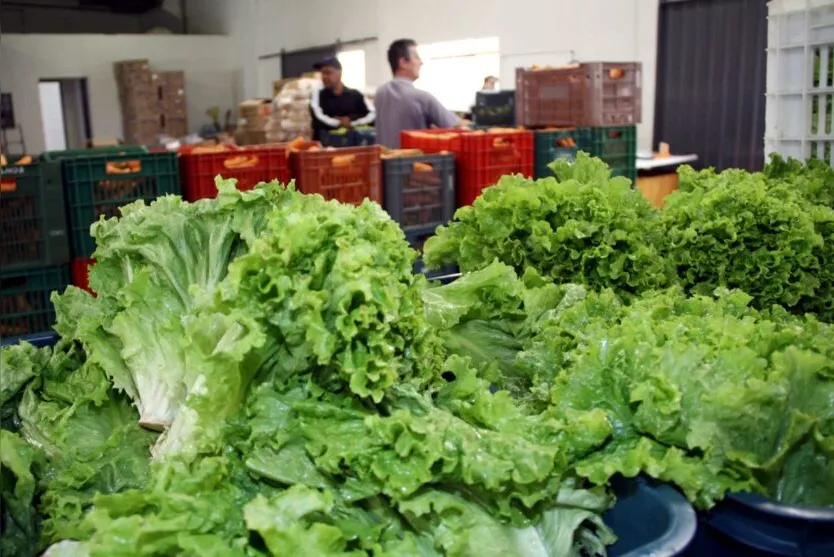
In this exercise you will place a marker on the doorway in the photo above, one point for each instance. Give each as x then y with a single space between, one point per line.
65 113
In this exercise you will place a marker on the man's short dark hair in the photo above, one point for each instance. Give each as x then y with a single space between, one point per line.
398 50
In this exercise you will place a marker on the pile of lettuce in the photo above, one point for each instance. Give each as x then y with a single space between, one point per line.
700 391
257 374
583 227
770 234
261 373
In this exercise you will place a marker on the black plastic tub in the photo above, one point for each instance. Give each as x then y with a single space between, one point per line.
650 519
745 525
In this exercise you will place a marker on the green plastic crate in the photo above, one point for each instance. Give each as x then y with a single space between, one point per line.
550 146
617 146
33 225
97 186
93 152
25 307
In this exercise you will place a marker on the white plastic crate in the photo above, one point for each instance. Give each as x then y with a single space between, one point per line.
799 114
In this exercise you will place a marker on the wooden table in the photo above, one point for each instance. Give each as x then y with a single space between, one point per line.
658 177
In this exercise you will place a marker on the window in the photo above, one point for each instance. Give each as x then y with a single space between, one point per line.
454 71
353 68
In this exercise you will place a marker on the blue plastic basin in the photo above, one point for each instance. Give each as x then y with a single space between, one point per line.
650 519
745 525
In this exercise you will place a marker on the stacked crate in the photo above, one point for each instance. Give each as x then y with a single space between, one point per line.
34 248
152 103
99 181
419 194
599 101
481 158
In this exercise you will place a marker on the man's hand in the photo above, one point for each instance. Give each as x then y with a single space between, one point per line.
344 121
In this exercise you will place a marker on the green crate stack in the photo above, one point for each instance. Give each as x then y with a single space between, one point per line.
25 299
92 152
552 145
33 226
617 146
99 181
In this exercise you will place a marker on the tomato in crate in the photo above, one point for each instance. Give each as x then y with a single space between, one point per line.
349 175
249 165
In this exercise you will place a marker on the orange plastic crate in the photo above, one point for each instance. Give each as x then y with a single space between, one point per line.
348 175
248 165
481 157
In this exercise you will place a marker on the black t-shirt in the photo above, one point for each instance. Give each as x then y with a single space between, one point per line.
325 105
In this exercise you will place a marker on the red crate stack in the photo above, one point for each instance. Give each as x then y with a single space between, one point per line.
348 175
481 158
248 165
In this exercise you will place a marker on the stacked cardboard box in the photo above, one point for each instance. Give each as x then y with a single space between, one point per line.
256 119
152 103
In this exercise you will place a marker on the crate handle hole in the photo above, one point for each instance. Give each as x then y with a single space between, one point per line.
240 161
123 167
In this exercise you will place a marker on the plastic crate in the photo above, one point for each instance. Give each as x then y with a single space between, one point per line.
495 98
799 107
751 526
420 191
559 144
25 307
590 94
80 272
349 175
350 138
248 165
617 146
93 152
334 139
417 238
33 225
481 158
98 185
493 115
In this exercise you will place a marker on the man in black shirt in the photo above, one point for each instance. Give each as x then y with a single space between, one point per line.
336 106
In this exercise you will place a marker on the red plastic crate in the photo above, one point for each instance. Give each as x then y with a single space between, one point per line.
248 165
481 157
348 175
80 272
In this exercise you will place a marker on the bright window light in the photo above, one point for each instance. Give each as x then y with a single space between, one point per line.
453 71
353 68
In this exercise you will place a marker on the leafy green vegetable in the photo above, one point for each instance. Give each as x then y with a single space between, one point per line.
151 266
710 395
587 228
19 467
738 234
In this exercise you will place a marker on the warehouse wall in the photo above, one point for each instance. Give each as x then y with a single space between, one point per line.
552 31
210 64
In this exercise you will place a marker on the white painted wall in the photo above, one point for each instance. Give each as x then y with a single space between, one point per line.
595 30
210 64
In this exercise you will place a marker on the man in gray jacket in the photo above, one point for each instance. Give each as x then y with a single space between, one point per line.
401 106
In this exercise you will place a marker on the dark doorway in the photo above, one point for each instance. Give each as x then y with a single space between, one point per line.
711 64
298 62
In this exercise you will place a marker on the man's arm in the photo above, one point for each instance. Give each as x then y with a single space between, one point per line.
438 115
318 113
367 114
